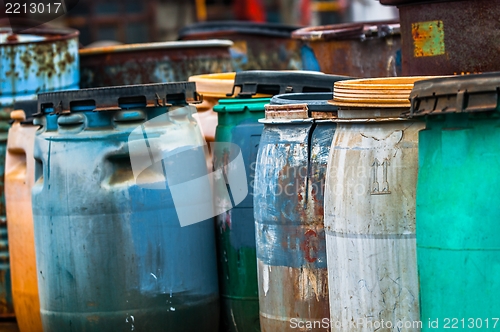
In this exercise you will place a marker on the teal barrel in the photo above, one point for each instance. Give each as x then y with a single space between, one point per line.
112 254
31 61
288 198
235 228
458 247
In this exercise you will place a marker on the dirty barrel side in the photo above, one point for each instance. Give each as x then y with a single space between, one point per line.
288 199
235 232
111 252
370 207
19 179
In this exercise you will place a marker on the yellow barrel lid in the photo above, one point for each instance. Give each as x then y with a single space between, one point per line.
380 92
214 85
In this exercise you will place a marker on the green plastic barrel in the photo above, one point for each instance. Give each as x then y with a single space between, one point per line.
235 230
458 204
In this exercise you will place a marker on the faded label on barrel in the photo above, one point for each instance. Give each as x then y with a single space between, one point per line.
428 38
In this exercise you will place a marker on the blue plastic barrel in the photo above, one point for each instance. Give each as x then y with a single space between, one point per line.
112 254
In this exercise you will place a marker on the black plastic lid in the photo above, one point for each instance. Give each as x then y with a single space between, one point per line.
316 101
29 107
279 82
252 28
110 98
456 94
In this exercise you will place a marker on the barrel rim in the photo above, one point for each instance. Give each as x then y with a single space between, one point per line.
169 45
349 31
55 33
235 27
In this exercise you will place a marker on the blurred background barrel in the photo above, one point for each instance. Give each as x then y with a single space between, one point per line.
448 37
32 61
153 62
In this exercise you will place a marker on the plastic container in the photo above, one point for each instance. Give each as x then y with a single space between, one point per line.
112 254
370 207
19 179
457 214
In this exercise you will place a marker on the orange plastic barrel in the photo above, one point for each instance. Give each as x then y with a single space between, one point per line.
19 178
211 87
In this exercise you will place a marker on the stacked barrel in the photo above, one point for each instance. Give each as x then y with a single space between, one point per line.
279 179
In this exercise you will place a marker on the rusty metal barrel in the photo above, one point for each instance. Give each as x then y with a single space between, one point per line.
365 49
257 46
235 229
448 37
153 62
288 198
32 61
112 253
370 207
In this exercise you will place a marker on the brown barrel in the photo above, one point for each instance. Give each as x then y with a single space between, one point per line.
369 49
449 37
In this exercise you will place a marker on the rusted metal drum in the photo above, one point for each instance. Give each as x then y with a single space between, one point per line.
288 198
370 49
32 61
448 37
370 208
112 254
19 179
457 201
257 46
153 62
235 229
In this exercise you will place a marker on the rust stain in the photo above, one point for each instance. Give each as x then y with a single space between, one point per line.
428 38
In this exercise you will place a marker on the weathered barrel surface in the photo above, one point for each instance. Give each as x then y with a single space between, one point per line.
111 253
370 208
457 200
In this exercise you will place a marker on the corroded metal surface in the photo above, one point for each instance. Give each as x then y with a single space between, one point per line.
37 60
291 251
256 46
449 37
370 221
370 49
153 62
